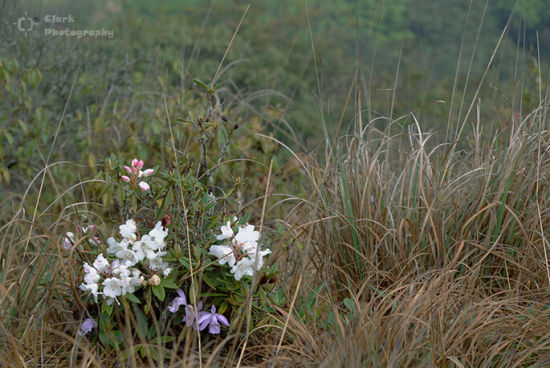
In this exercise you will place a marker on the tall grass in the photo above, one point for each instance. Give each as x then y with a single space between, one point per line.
443 258
394 250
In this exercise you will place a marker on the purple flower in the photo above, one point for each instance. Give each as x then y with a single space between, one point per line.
190 313
179 301
191 316
86 327
213 320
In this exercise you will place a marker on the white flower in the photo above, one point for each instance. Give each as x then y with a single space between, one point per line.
114 246
112 287
242 268
158 234
128 230
148 245
91 276
93 288
127 256
247 234
139 249
225 254
261 255
227 232
157 264
101 264
166 271
121 270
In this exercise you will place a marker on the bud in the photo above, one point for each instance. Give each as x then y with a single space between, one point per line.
142 280
144 186
147 172
154 280
125 178
166 220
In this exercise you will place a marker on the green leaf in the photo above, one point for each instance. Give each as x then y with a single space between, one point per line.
159 292
133 298
201 83
244 219
223 308
149 300
141 322
107 308
209 281
164 339
168 284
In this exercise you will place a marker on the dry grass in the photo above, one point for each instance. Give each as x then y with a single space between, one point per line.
441 259
443 253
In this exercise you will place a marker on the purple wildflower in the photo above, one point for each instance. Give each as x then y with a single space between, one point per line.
191 316
179 301
86 327
213 320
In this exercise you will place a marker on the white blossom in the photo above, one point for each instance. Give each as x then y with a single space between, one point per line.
101 264
128 230
227 232
225 254
122 276
242 268
243 253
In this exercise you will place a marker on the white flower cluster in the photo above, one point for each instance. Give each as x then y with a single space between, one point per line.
118 279
242 253
149 248
122 276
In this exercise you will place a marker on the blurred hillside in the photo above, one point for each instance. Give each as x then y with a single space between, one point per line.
273 48
273 71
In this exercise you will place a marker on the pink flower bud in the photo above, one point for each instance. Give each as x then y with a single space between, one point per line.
67 244
135 162
68 240
147 172
144 186
140 164
128 170
125 178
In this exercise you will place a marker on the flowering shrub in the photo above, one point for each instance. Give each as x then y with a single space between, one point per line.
146 267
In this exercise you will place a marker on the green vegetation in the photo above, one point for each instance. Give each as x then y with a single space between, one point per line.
392 155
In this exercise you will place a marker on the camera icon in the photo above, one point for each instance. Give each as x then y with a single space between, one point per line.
26 24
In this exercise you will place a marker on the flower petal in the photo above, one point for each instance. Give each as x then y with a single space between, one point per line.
182 296
222 319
